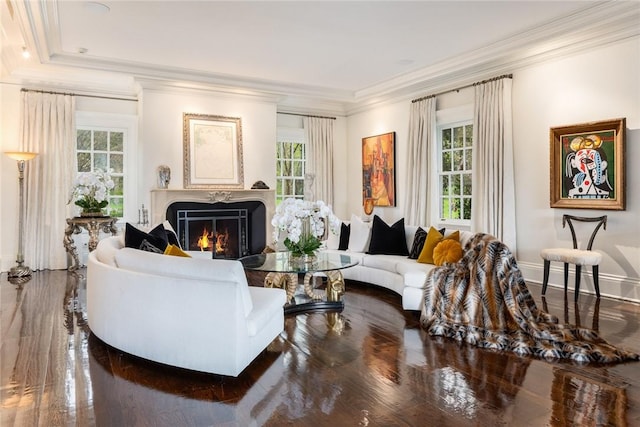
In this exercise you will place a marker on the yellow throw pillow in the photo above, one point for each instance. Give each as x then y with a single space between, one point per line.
433 238
448 250
175 251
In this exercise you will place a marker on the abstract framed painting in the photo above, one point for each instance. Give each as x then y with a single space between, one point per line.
588 165
378 169
212 151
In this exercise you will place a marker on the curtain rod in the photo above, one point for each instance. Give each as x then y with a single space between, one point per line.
504 76
78 94
307 115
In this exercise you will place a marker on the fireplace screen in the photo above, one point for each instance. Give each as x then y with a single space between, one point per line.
220 231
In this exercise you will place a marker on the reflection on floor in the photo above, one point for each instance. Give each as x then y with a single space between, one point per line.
370 364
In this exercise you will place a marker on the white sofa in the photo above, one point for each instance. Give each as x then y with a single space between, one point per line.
192 313
402 275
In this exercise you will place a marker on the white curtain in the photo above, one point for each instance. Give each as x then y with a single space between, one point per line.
48 128
493 205
319 133
422 124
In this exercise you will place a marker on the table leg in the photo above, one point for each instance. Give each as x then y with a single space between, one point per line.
335 285
70 246
94 229
289 282
110 227
286 281
308 288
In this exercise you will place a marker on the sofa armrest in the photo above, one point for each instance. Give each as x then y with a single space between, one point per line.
266 302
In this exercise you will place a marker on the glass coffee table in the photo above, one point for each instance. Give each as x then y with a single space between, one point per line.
283 272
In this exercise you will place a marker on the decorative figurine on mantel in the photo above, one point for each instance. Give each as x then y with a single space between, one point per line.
143 216
164 176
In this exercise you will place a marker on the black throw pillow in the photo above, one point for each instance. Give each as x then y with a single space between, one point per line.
418 242
172 238
153 241
345 232
388 240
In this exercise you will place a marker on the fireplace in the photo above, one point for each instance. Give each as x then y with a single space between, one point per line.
227 230
220 231
260 206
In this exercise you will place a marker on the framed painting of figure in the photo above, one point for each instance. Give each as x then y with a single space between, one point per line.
378 169
212 151
588 165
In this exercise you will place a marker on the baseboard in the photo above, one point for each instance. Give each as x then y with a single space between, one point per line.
618 287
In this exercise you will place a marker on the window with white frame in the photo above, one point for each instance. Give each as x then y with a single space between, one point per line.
455 147
291 153
103 142
103 149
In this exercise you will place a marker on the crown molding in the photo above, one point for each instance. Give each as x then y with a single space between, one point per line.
595 25
196 88
603 23
299 105
76 80
218 82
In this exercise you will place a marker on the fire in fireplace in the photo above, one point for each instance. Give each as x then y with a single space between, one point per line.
217 242
227 230
223 232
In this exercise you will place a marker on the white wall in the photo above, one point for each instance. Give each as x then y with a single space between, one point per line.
161 140
598 85
389 118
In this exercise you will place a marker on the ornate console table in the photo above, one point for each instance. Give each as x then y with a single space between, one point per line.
93 225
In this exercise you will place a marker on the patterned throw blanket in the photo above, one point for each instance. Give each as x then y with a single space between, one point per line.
484 301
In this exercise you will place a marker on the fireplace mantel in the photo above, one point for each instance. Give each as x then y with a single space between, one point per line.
161 199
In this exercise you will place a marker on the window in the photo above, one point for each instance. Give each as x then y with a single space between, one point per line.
291 152
454 172
107 142
102 149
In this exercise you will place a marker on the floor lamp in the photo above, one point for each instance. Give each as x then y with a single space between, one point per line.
21 156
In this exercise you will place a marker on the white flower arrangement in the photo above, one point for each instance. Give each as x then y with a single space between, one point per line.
304 224
91 190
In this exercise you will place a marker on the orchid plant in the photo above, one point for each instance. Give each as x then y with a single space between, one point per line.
304 224
91 190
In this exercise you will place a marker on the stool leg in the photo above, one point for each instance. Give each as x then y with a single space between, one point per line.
578 273
566 276
596 280
545 277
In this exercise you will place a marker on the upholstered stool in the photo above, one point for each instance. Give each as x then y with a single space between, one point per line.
575 256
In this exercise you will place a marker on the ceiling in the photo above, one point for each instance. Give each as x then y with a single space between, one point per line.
337 53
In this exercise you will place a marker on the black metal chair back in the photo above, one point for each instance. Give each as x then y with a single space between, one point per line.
600 220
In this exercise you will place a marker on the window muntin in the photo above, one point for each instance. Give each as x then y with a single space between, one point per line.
455 142
291 154
103 149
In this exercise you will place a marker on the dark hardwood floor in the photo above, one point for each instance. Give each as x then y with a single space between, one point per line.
370 365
